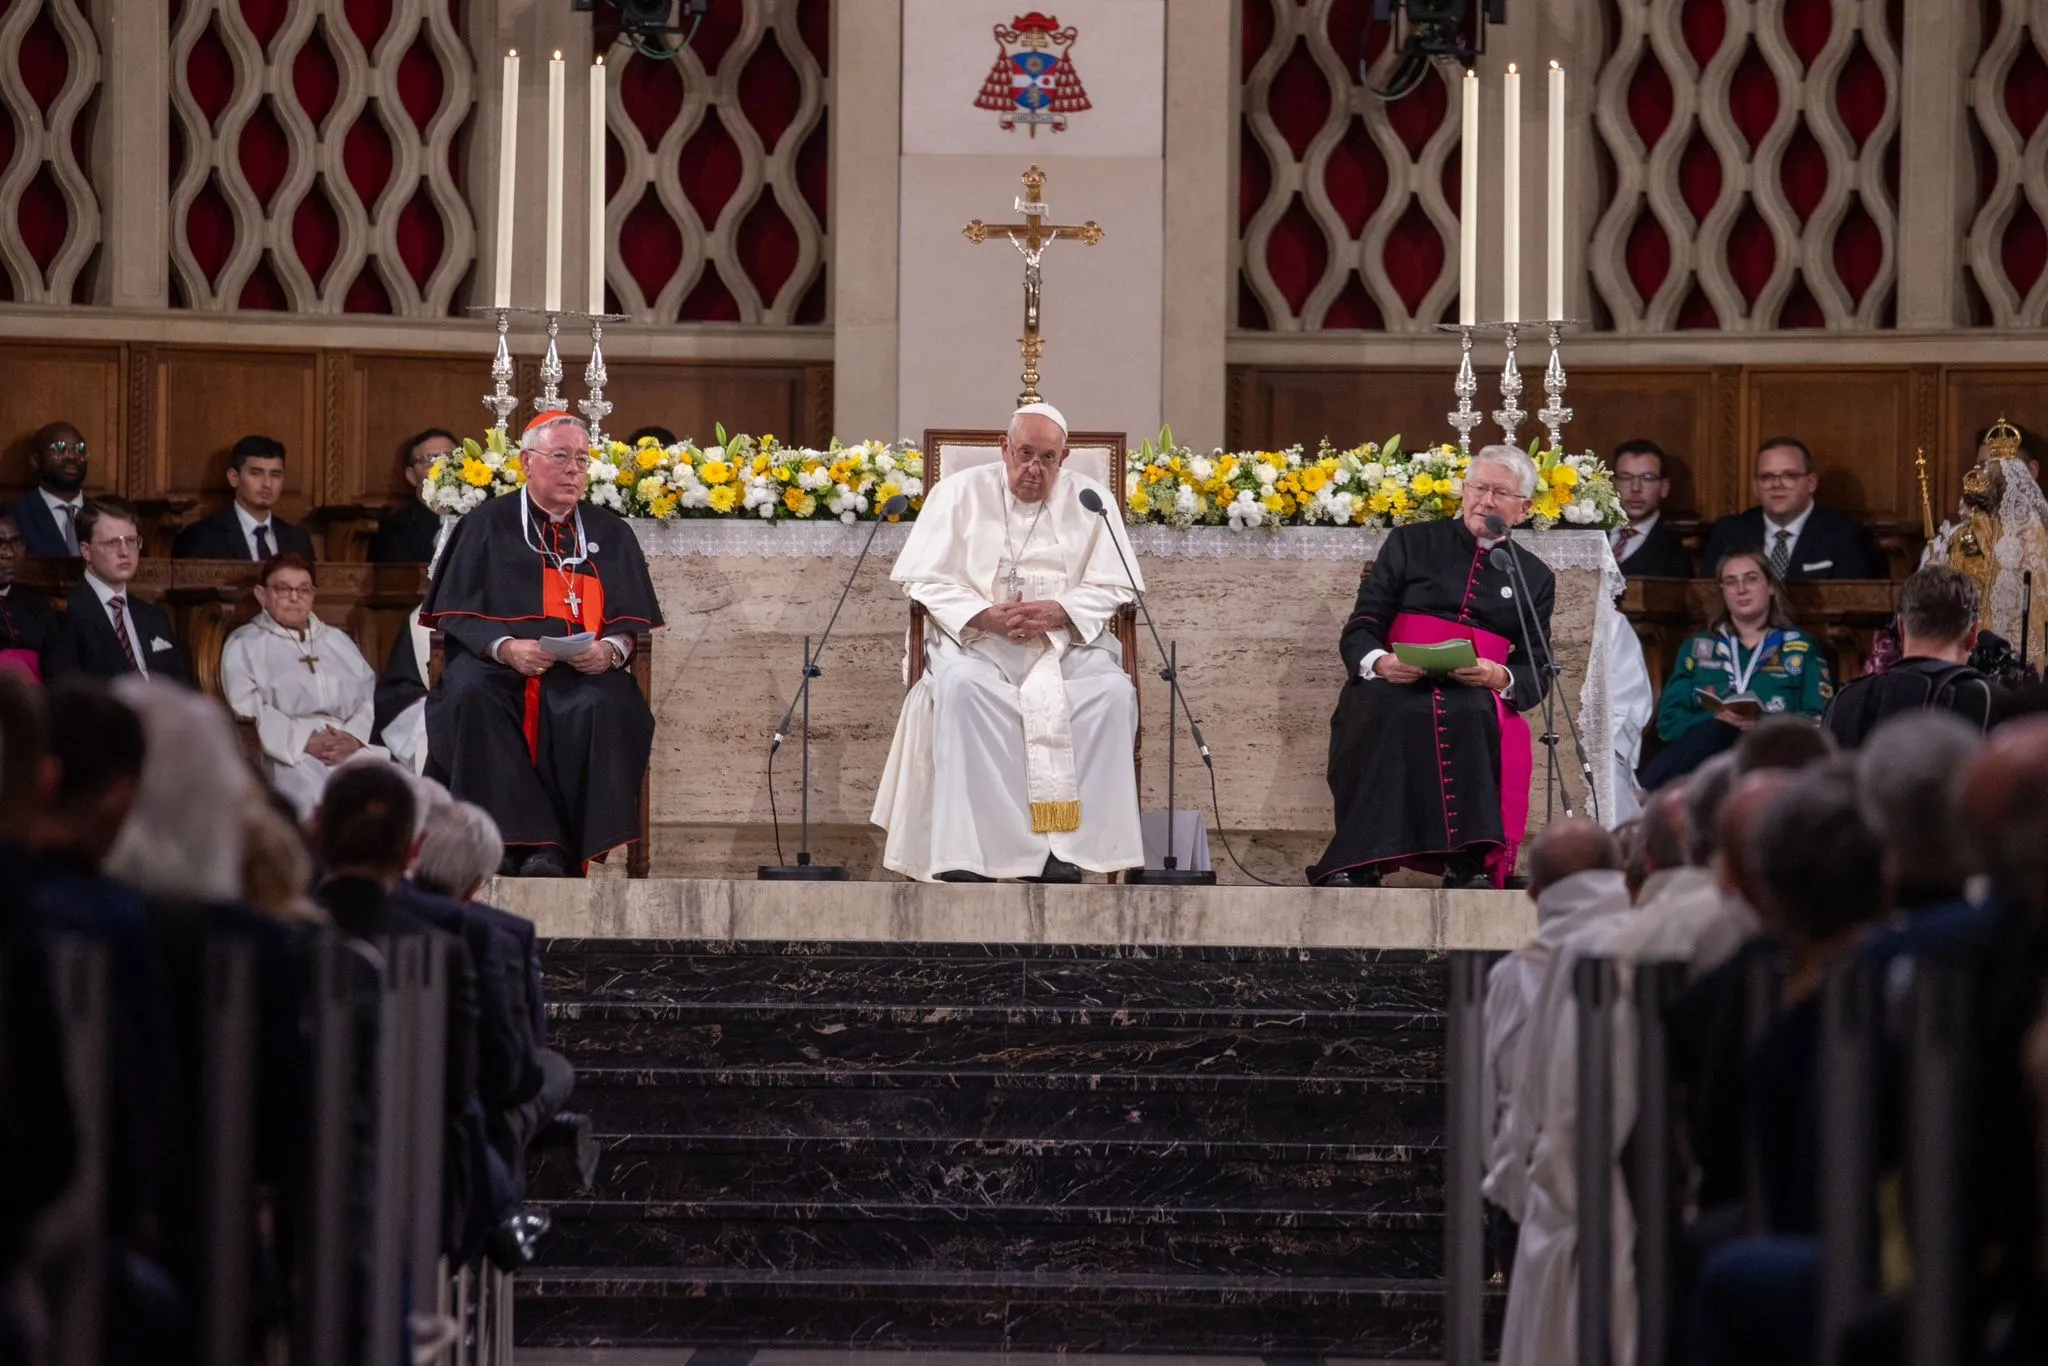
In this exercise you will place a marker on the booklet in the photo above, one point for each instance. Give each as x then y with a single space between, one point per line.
1742 704
567 647
1440 658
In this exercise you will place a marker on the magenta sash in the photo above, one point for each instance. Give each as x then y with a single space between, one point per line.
1516 766
22 661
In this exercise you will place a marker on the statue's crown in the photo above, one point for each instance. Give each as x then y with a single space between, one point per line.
2002 442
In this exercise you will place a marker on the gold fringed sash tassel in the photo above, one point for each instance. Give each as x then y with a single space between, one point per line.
1055 818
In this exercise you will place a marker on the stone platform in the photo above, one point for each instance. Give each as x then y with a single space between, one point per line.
902 1117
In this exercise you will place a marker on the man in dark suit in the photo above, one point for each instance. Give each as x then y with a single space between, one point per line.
48 513
406 534
247 529
1800 539
26 617
106 630
1647 547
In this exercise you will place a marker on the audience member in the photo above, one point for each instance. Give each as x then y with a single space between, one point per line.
2030 448
1797 538
247 529
1906 777
48 513
106 631
303 683
661 436
1938 616
1631 704
1787 742
399 715
1647 546
26 617
1750 664
406 534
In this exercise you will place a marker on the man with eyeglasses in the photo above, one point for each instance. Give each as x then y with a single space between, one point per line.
48 513
305 685
1799 538
406 534
1431 771
106 630
1646 546
541 597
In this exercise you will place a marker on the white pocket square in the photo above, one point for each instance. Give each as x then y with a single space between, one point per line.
159 643
1817 564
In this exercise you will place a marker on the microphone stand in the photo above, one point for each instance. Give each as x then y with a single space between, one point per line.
1550 666
1503 558
803 870
1170 873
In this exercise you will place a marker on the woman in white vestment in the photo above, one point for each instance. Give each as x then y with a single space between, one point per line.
304 684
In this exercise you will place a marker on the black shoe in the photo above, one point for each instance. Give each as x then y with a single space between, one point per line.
1467 875
1057 870
962 875
508 866
544 861
1354 877
574 1133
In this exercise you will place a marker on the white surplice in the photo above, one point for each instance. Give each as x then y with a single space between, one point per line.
265 673
1005 751
1631 702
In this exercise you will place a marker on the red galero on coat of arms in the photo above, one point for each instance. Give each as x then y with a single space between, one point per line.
1033 81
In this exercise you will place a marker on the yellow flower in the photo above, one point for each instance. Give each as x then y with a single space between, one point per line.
1381 501
1564 477
888 490
434 470
515 469
784 473
1141 502
715 472
1545 507
1423 485
649 454
663 506
724 498
685 458
649 487
476 473
799 502
761 462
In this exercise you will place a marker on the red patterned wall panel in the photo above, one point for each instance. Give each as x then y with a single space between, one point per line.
49 213
2008 240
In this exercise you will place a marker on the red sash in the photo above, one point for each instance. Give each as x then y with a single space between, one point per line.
23 661
1516 765
555 603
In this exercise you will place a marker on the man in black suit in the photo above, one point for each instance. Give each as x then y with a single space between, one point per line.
26 617
1647 547
246 528
406 534
1800 539
106 630
48 513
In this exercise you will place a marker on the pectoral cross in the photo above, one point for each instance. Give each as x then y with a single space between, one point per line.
1031 238
312 663
575 604
1012 585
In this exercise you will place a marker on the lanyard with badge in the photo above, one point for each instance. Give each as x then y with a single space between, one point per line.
1740 674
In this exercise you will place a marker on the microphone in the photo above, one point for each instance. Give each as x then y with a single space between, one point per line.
895 507
1496 526
1092 502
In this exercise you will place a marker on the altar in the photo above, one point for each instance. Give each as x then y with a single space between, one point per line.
1256 615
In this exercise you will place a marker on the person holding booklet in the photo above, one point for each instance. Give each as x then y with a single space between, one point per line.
1751 662
1429 764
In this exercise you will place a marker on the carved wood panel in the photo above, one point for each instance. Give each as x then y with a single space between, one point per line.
49 209
206 399
82 385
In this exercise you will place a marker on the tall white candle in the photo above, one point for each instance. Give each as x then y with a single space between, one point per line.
551 296
508 144
596 173
1554 244
1468 205
1511 201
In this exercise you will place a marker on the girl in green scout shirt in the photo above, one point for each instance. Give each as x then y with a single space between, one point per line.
1752 651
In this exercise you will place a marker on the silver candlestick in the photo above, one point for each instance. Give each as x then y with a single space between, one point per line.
1553 414
501 400
550 399
1509 415
596 408
1464 417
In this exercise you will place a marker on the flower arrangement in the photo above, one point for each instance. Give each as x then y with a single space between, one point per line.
739 476
1367 485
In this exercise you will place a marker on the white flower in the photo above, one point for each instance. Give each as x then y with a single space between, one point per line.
1372 472
600 472
848 517
1202 467
1340 477
767 511
697 497
714 453
606 495
1184 500
885 462
1267 474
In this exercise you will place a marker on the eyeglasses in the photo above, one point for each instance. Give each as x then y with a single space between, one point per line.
290 590
1781 479
1039 462
116 543
64 447
1751 580
1630 481
1476 492
533 458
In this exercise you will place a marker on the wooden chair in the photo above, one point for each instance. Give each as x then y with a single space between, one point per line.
211 616
1100 456
641 666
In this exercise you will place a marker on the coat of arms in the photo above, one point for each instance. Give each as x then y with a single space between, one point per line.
1033 81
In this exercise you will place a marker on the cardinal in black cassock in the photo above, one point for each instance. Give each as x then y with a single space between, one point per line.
1432 773
554 749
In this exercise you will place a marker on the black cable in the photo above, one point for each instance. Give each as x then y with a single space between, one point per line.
1216 806
773 816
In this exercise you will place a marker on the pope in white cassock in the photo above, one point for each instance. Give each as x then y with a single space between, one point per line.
1012 756
303 683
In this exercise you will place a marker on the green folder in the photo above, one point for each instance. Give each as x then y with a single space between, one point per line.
1440 658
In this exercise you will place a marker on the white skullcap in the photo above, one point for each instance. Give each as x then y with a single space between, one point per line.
1045 410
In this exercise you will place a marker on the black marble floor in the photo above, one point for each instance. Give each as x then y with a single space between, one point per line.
1015 1148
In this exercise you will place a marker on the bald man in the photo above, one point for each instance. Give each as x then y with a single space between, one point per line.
1012 756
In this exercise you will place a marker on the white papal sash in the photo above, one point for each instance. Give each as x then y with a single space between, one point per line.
1050 779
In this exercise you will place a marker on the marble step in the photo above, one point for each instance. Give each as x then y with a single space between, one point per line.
1377 1044
1154 1312
659 1170
985 975
1248 1245
766 1105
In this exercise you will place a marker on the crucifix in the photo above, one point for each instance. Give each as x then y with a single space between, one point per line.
1031 237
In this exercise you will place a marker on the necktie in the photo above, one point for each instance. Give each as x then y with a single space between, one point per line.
1622 541
117 608
70 526
1781 552
263 541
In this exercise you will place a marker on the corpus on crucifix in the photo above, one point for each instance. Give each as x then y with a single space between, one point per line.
1031 237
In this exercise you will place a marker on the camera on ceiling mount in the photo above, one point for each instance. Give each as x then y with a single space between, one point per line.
1432 30
644 23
